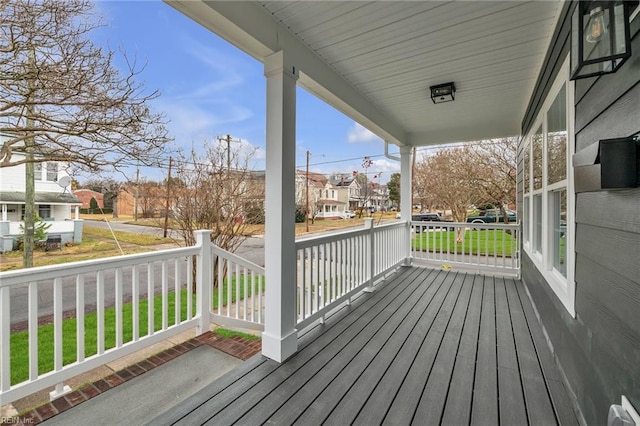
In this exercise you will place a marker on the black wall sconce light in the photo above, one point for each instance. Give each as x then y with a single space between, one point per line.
600 37
443 93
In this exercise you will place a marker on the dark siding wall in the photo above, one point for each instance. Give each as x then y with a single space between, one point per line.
599 350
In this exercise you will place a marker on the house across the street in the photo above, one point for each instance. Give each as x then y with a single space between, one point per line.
53 198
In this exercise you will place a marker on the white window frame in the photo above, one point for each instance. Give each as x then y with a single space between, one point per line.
563 287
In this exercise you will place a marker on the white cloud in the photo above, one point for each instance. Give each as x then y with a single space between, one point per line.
192 121
386 167
359 134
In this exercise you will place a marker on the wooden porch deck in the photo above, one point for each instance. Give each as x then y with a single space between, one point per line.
427 347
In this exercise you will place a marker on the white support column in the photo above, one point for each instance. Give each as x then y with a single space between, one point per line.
77 213
4 212
406 196
280 339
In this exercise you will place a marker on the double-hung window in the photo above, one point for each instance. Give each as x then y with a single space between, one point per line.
52 172
548 190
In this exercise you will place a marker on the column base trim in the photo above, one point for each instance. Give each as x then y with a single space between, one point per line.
278 348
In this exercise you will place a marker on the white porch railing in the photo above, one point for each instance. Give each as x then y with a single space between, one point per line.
123 304
333 268
119 305
240 298
484 247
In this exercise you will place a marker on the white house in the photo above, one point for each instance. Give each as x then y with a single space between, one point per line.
348 191
323 196
54 202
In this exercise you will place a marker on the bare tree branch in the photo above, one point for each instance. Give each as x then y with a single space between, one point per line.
84 110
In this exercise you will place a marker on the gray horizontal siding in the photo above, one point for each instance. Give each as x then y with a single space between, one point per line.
599 350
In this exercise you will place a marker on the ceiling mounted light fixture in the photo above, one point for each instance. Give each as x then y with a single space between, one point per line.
600 37
443 93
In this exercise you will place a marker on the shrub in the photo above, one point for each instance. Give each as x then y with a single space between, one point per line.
39 233
254 216
300 214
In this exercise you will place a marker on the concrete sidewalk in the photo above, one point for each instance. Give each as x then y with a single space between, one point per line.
158 390
131 388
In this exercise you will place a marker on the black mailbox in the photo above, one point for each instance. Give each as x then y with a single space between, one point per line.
608 164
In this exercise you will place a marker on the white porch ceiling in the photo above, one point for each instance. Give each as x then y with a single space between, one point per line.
375 61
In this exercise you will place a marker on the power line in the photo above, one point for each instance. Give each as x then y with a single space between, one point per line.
165 166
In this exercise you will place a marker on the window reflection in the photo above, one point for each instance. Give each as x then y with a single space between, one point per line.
537 159
557 139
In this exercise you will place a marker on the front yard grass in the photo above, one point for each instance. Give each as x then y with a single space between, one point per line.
19 345
126 237
89 249
484 242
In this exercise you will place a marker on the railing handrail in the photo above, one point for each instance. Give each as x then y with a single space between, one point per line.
494 225
236 259
21 276
323 239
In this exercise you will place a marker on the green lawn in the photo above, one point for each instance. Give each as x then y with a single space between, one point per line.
487 242
20 341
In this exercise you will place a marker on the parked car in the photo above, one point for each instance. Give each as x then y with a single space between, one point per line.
425 217
492 216
348 214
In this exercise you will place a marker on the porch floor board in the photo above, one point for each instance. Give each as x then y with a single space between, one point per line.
426 347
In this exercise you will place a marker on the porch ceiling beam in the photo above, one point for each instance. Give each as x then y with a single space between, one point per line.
251 28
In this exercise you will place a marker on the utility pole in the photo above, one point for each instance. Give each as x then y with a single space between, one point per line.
307 187
166 206
228 140
135 201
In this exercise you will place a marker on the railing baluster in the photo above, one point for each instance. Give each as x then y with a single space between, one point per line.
165 295
177 289
236 278
151 315
33 330
261 279
221 294
190 287
334 271
100 311
5 339
80 317
308 291
302 280
57 329
229 288
119 324
135 303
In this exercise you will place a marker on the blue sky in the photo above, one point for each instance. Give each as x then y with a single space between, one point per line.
210 88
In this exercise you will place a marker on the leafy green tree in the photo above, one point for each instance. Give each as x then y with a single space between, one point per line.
394 188
93 204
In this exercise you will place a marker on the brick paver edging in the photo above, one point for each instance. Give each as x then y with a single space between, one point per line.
236 346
